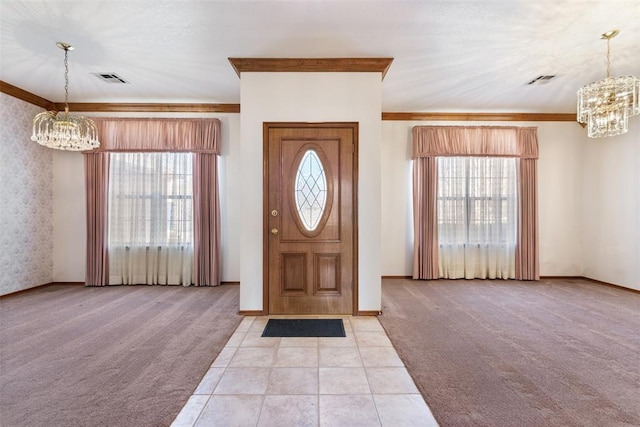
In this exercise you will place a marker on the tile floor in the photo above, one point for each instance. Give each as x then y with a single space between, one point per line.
358 380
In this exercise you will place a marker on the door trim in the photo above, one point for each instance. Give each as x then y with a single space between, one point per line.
266 126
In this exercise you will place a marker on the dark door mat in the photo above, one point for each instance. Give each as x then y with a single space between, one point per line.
304 328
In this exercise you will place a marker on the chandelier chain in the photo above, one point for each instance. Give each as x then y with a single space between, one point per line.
66 79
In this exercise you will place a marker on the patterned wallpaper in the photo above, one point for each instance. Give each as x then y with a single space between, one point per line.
26 201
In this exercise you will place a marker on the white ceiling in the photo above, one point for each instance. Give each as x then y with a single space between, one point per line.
449 55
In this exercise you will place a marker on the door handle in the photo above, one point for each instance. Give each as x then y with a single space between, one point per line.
274 231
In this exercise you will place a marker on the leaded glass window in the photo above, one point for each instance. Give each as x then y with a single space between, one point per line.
310 190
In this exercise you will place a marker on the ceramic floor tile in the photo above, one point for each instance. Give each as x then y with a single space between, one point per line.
236 339
253 357
350 381
403 410
258 324
254 339
224 357
370 324
209 381
346 322
245 324
293 381
243 381
297 357
348 341
380 357
343 381
390 380
372 339
228 411
348 411
299 342
279 411
190 412
340 357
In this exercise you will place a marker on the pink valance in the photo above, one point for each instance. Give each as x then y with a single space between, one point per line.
431 141
141 134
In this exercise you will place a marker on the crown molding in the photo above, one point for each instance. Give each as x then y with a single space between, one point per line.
96 107
279 65
473 117
22 94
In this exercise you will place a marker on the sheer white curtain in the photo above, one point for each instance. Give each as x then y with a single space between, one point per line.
477 217
150 218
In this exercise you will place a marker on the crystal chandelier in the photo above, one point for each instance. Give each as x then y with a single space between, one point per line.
61 130
606 105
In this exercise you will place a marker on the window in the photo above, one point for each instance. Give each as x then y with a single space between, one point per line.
150 218
477 200
150 199
478 211
120 217
477 216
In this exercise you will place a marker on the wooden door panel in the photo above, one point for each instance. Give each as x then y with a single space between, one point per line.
327 274
309 252
294 274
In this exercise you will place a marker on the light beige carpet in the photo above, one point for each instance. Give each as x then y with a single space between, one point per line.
507 353
109 356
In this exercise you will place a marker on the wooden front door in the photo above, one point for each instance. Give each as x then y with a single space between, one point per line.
310 217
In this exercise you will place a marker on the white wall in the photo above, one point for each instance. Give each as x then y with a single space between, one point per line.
559 195
560 172
69 218
311 97
611 208
397 205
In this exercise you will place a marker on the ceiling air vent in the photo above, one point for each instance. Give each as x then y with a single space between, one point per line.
110 77
541 80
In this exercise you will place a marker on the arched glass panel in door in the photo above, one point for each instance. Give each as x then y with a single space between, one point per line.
310 190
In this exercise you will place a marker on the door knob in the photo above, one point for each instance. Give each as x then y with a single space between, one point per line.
274 231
